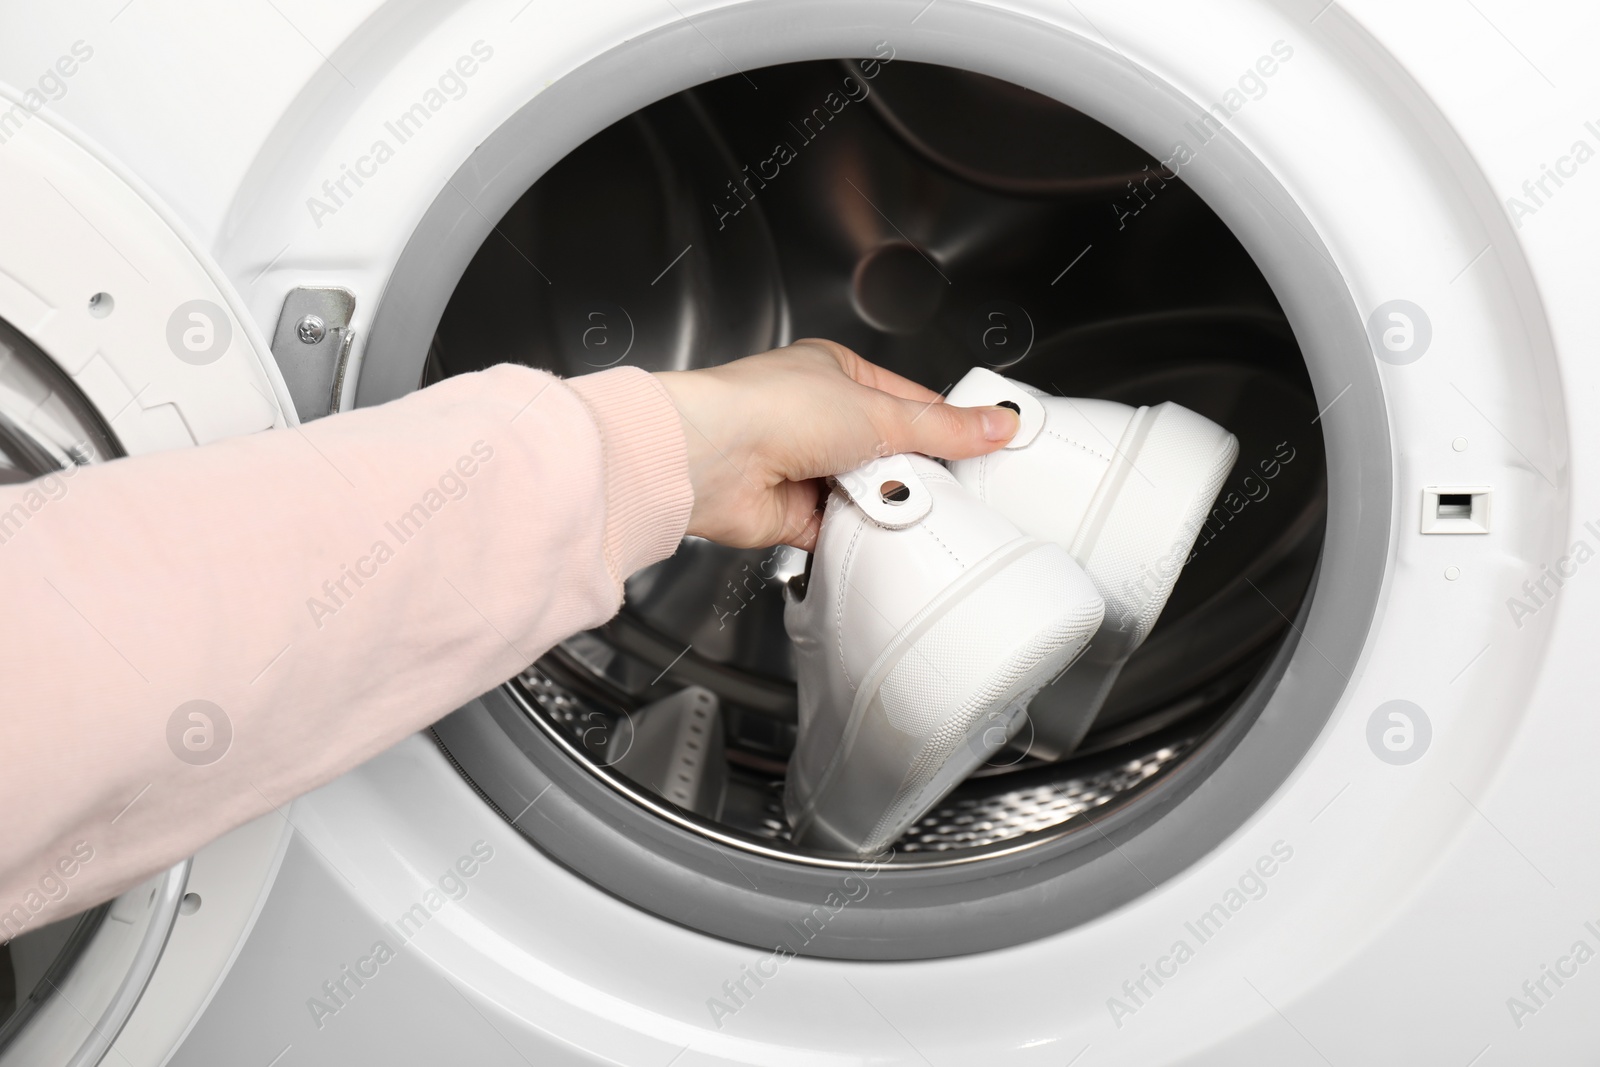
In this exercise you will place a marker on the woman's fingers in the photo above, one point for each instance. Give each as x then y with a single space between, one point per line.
888 381
912 418
945 431
865 372
802 505
761 431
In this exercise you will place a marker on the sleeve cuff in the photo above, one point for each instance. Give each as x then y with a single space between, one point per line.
648 493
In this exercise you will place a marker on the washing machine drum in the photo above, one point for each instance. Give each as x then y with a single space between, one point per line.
926 217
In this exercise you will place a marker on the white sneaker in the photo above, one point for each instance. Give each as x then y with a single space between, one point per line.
926 623
1125 490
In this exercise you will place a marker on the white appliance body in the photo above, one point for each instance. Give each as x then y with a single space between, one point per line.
1419 889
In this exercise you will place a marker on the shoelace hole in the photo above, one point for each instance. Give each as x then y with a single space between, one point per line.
894 492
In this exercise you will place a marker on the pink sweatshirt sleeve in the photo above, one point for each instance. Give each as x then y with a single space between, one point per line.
330 589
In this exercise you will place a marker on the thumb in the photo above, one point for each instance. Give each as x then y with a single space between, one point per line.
945 431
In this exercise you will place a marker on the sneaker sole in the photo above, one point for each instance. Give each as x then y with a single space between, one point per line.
1149 508
937 713
1142 524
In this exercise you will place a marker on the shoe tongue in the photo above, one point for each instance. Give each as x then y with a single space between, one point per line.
888 491
982 387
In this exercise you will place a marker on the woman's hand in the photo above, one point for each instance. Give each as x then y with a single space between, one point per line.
763 430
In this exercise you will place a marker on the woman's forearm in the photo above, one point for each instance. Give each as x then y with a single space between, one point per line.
312 595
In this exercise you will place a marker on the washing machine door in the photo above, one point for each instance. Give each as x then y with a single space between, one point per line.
116 337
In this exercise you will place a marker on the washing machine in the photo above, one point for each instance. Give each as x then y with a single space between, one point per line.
1337 810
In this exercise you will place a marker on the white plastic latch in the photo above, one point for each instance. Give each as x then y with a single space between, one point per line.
982 387
888 491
